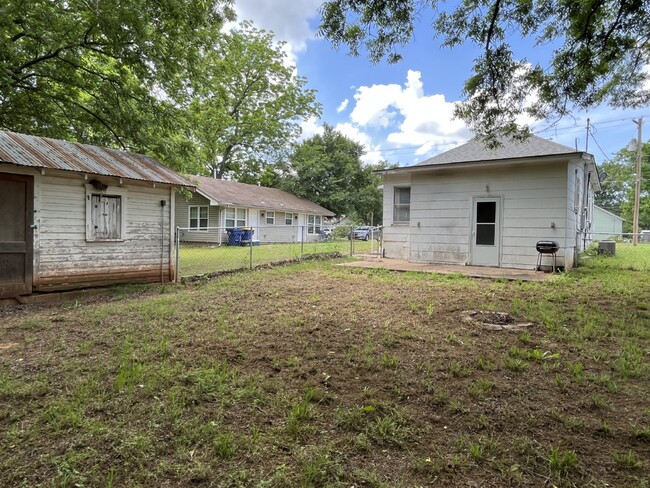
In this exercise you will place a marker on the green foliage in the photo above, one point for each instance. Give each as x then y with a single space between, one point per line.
596 56
327 169
111 73
247 105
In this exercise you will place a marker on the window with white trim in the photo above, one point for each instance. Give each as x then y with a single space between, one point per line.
401 205
314 224
198 218
105 214
235 217
270 218
288 219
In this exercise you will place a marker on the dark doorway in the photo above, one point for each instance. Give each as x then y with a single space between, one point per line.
16 234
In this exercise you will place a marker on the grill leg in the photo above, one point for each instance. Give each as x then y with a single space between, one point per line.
538 266
554 262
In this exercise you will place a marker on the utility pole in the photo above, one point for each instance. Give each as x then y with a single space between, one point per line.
637 190
587 140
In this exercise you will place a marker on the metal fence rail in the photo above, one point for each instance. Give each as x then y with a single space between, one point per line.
215 249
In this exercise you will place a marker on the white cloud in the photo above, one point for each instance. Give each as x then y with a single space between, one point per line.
310 128
288 19
373 152
343 105
411 117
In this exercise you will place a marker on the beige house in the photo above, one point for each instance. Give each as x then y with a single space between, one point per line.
74 215
219 205
471 206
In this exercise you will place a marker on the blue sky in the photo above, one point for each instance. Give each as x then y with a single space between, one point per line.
402 113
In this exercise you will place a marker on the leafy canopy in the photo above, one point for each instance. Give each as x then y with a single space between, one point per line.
247 105
598 50
327 169
106 72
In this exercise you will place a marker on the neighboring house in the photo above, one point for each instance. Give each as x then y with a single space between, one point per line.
606 224
219 205
490 208
74 215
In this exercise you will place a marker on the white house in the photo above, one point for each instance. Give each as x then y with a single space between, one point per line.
74 215
218 205
472 206
606 224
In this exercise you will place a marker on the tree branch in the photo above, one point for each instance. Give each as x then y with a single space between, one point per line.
493 21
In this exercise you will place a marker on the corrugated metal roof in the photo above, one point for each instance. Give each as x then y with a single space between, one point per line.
43 152
237 194
475 150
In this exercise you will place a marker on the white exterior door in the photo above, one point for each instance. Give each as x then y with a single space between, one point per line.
486 232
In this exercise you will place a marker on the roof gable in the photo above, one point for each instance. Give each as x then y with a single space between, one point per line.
43 152
233 193
475 150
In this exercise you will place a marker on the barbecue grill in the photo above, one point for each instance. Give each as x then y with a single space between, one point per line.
546 247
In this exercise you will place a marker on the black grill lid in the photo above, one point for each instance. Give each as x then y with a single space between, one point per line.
547 246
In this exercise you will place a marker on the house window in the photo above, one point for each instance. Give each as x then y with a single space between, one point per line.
270 218
199 217
288 219
313 224
402 205
235 217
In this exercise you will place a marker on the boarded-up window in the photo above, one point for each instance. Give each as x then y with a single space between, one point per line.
198 217
106 217
402 205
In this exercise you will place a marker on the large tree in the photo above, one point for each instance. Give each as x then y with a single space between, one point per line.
327 169
618 188
110 72
248 104
599 51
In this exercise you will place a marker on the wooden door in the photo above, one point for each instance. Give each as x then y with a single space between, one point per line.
16 234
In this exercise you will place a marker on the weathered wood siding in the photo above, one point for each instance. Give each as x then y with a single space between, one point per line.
67 260
534 207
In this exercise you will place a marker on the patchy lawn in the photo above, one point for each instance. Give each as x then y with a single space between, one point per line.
317 375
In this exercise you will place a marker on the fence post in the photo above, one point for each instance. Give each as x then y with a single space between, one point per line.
177 242
302 242
250 253
351 234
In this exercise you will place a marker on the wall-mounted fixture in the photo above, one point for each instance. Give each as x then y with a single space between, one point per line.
487 188
552 225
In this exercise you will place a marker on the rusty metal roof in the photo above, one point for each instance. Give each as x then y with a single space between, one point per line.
42 152
232 193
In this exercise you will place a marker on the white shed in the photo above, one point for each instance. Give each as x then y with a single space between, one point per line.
477 207
74 215
606 224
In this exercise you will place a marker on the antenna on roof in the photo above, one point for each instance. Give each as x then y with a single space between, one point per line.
576 142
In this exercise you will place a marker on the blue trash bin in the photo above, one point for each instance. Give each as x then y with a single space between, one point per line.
234 237
247 236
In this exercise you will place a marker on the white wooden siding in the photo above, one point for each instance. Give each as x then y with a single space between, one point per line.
534 207
183 220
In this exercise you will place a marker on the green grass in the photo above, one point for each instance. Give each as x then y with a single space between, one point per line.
319 375
627 257
198 259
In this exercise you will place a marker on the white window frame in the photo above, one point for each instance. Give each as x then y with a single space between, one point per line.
235 219
270 217
199 227
109 192
396 205
314 224
288 218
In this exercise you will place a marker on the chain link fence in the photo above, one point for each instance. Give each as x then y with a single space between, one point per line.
217 249
617 251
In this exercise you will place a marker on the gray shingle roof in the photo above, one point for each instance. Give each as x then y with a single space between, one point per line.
475 150
238 194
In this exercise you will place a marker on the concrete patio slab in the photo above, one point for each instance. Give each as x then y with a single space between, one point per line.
369 261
